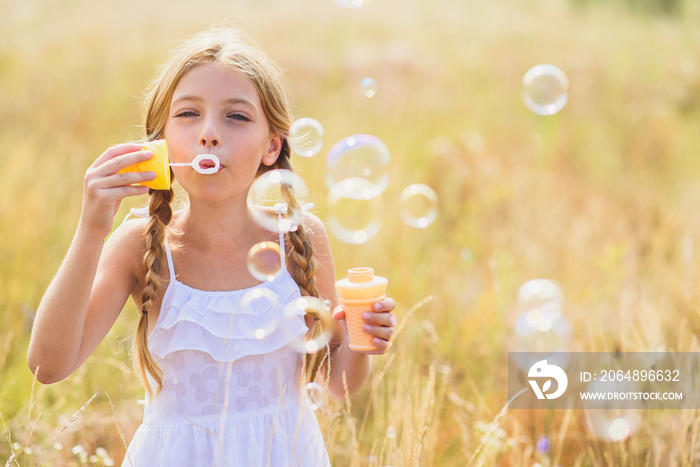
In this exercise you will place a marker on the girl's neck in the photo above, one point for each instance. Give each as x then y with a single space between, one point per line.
217 227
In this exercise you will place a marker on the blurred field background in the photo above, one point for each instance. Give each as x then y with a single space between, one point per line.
602 197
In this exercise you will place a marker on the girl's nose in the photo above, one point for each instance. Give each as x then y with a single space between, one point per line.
209 142
209 135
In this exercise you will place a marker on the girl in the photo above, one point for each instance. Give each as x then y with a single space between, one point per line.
217 395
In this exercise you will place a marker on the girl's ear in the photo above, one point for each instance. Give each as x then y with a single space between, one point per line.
273 151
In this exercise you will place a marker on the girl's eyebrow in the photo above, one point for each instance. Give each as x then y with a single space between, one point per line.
197 99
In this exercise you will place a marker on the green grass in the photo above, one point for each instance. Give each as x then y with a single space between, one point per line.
602 197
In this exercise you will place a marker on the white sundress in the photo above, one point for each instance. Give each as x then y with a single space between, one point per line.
228 398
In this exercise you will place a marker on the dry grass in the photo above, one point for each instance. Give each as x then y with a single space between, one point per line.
601 197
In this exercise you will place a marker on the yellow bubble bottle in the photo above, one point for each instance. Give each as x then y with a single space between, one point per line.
159 163
357 293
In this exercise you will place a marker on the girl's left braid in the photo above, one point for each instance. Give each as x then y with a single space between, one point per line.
304 270
160 214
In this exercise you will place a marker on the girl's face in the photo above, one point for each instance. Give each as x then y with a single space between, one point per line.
216 110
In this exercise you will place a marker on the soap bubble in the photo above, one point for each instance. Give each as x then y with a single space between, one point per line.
545 89
359 156
619 429
306 137
540 329
299 307
611 423
418 205
351 219
466 255
264 260
314 395
539 291
254 303
369 87
267 199
351 3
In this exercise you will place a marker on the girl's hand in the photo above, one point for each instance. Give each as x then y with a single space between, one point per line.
379 323
104 187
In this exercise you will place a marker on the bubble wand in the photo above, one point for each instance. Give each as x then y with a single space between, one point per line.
160 164
196 164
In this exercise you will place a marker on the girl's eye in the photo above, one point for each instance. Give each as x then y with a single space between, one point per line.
186 113
240 117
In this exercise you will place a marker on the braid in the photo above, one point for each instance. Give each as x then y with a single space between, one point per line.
304 271
160 214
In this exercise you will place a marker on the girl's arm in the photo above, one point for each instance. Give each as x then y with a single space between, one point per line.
355 365
95 279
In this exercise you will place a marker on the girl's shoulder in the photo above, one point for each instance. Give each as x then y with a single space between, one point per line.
126 245
316 232
314 225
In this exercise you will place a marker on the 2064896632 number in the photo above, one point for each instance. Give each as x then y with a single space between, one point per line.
639 375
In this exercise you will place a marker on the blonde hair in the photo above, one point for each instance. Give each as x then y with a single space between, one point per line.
235 50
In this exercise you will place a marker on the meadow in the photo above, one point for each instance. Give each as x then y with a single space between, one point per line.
601 197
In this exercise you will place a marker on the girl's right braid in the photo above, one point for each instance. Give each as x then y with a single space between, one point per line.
160 214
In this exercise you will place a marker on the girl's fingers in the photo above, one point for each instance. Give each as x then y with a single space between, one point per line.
125 191
115 151
338 312
382 345
382 332
128 178
379 319
385 305
94 184
123 161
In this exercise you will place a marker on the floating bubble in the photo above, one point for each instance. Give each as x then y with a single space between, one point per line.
418 205
619 429
612 424
317 308
351 3
391 432
540 329
545 89
536 292
369 87
351 219
314 395
254 303
359 156
264 260
306 137
268 197
466 255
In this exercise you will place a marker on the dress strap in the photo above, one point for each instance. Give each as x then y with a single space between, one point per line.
283 254
169 256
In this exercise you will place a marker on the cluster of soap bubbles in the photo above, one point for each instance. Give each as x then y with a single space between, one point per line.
357 175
